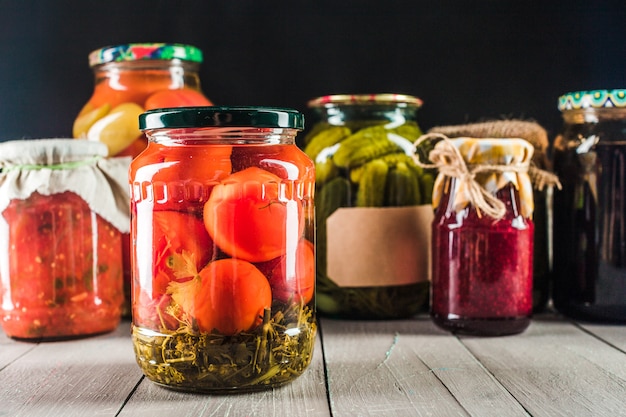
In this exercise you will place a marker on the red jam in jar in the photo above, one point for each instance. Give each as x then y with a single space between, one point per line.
222 228
482 236
60 261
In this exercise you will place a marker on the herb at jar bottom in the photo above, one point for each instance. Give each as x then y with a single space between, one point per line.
271 354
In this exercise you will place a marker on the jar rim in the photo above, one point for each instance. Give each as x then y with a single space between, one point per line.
214 116
360 99
592 99
145 51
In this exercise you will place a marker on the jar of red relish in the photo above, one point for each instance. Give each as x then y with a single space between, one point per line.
223 256
64 210
590 210
482 235
130 79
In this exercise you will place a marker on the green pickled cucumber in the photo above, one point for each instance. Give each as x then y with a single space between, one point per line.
363 146
371 192
325 139
325 170
427 181
392 159
331 196
403 187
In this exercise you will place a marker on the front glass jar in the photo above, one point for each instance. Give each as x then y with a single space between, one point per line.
133 78
590 211
372 207
482 236
223 252
60 243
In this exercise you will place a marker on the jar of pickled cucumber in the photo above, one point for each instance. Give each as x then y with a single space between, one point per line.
130 79
590 211
63 210
223 250
373 208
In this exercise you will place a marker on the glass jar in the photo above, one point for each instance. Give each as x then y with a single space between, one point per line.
543 181
590 211
60 242
373 208
482 236
223 252
130 79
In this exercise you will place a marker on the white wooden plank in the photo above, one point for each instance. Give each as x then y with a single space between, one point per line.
556 369
613 334
83 377
10 349
407 367
305 396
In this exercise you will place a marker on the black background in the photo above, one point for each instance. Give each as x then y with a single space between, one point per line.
469 60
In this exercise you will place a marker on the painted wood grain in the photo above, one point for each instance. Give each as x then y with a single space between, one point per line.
84 377
305 396
613 334
407 368
556 369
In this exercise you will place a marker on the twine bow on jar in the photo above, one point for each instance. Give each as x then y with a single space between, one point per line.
450 162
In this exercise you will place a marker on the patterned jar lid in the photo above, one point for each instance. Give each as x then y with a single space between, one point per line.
144 51
593 99
358 99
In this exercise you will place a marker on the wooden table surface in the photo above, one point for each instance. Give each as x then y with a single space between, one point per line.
360 368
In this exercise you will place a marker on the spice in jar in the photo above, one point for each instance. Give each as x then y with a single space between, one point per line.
223 249
63 215
590 211
373 210
482 235
130 79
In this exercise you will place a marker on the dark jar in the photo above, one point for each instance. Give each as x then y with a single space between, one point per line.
60 243
130 79
373 208
482 236
590 211
222 225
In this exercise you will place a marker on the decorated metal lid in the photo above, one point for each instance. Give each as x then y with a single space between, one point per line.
214 116
593 99
359 99
144 51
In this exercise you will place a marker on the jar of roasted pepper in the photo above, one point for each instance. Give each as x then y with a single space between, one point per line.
590 211
64 209
482 235
130 79
373 208
223 251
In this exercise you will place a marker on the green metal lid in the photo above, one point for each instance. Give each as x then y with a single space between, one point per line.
214 116
144 51
360 99
593 99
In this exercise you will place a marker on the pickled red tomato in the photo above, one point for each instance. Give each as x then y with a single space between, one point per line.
250 218
182 247
285 161
292 278
231 297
